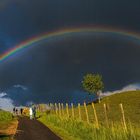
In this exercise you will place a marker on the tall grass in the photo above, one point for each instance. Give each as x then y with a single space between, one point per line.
81 130
117 117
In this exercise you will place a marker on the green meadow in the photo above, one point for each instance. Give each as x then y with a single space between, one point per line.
111 124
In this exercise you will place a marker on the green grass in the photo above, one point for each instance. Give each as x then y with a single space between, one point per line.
73 129
5 119
78 130
131 105
5 116
58 130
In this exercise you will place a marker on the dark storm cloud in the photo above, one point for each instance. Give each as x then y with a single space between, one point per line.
53 71
22 19
4 4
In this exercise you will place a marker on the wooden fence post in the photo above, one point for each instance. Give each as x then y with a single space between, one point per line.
59 109
72 109
123 117
62 109
56 109
50 105
86 112
106 117
79 110
67 109
95 115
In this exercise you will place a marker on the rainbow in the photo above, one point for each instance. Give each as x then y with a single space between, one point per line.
47 35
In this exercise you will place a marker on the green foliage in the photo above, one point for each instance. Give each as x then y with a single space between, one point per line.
92 83
5 119
5 116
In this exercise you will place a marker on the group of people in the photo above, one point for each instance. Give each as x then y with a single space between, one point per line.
23 111
16 111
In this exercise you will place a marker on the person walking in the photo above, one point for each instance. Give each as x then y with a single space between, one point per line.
21 111
34 112
31 113
16 111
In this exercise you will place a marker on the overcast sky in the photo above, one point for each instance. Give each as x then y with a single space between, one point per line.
52 71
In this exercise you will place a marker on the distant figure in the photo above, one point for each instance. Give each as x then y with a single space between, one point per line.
34 112
21 111
31 113
14 110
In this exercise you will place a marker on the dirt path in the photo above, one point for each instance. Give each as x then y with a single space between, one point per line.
33 130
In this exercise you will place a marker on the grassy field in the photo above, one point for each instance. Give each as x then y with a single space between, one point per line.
74 129
8 125
131 105
5 119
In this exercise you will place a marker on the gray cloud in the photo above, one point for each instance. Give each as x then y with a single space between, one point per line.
131 87
5 103
20 86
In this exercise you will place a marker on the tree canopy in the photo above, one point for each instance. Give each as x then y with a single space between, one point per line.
92 83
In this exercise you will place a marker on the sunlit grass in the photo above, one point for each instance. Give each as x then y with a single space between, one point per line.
5 116
5 119
74 129
81 130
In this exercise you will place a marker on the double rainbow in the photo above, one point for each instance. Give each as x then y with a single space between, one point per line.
63 32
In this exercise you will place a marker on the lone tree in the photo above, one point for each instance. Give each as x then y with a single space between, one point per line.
93 84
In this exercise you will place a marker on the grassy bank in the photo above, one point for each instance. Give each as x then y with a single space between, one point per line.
69 129
8 125
73 129
5 119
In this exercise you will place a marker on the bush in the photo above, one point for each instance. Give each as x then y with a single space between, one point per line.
5 116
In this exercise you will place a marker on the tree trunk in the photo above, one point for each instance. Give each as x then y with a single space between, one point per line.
98 94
